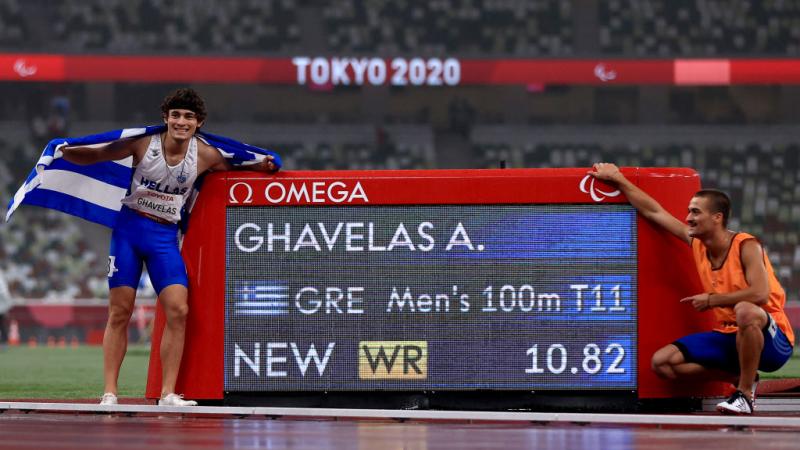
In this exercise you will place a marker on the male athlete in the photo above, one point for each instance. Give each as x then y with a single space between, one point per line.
752 331
166 167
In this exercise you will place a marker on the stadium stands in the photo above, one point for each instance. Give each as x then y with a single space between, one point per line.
365 147
513 27
46 255
275 26
652 28
446 26
649 28
155 26
12 26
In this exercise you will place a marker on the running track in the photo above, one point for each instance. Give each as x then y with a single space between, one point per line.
85 430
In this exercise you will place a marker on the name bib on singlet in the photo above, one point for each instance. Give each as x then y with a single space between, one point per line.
159 189
159 204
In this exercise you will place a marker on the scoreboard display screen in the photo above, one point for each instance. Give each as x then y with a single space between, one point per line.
431 297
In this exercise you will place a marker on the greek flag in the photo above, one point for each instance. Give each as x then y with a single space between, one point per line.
94 192
260 298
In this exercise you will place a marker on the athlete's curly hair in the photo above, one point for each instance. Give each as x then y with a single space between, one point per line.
185 98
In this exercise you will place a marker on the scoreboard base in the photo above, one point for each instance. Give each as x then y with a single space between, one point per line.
572 401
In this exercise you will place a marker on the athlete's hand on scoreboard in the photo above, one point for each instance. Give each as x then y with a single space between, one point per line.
700 302
606 172
267 165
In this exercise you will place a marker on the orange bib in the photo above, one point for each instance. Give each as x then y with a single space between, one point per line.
731 278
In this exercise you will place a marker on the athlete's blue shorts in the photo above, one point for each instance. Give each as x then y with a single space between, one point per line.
717 350
136 240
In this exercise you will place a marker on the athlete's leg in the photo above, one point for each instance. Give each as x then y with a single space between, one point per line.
115 338
706 355
124 270
751 320
665 360
168 274
174 300
668 362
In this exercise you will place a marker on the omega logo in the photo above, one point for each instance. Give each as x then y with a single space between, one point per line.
247 188
300 192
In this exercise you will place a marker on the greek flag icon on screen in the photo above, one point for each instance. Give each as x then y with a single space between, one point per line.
262 298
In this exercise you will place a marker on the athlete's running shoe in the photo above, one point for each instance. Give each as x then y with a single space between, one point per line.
738 403
175 400
108 399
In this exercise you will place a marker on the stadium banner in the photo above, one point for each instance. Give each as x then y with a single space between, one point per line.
445 280
332 71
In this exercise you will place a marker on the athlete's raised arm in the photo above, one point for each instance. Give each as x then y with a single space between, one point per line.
209 158
112 151
644 203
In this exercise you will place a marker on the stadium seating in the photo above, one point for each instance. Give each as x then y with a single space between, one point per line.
439 27
446 26
155 26
464 28
46 255
364 148
13 29
698 28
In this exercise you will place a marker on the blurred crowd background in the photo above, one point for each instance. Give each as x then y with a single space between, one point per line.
743 139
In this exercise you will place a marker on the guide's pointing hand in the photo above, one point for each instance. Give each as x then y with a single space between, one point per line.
700 302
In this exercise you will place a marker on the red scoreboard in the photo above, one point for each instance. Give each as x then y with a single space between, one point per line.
535 280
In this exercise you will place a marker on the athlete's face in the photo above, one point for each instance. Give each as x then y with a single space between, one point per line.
700 219
181 124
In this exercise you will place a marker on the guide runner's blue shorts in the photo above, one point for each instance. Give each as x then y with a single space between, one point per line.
718 350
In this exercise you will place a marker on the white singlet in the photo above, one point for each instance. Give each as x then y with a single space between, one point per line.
159 189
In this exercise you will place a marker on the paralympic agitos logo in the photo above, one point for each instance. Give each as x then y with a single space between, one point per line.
587 187
277 192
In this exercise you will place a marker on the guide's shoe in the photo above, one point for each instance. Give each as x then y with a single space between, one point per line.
108 399
175 400
755 386
738 403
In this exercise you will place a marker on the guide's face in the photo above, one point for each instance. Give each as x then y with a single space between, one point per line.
700 220
181 124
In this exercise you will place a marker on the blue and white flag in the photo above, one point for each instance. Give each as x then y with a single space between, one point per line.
260 298
94 192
